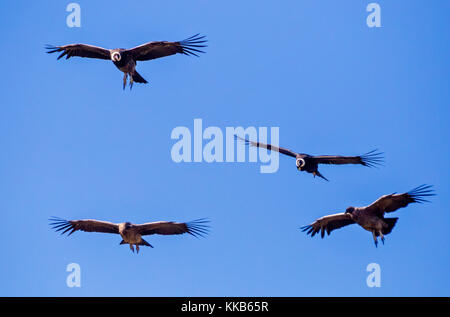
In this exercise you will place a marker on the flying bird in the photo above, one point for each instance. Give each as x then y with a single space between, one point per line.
370 217
125 59
131 233
310 164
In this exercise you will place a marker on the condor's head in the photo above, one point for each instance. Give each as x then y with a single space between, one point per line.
115 56
350 210
300 163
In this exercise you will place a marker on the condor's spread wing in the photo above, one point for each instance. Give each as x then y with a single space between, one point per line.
196 228
268 146
88 225
370 159
392 202
328 224
152 50
81 50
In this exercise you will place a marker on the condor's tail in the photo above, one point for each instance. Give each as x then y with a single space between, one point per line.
391 223
143 242
138 78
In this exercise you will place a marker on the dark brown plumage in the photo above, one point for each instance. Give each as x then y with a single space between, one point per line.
131 233
125 59
370 217
310 164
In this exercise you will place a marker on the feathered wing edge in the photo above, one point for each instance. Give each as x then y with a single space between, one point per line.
417 194
192 44
238 138
373 158
61 224
87 225
268 147
198 227
80 50
311 231
327 224
53 49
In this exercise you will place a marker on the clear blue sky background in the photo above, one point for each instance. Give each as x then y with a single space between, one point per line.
75 145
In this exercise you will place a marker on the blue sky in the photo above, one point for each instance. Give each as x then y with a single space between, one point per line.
75 145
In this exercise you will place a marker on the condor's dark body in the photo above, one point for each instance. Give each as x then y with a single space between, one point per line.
309 165
125 61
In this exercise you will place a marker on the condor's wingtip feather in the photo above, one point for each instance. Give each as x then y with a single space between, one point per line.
238 138
192 44
373 158
51 48
198 227
59 224
195 38
54 49
417 194
304 228
309 230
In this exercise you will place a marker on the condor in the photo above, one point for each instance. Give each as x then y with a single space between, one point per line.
125 59
371 217
310 164
132 233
